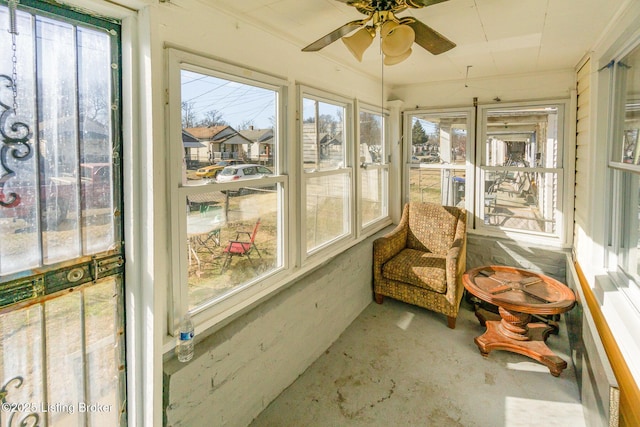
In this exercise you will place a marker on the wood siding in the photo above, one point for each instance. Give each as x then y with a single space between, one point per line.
582 176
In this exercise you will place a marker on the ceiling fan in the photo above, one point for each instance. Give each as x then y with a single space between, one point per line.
398 34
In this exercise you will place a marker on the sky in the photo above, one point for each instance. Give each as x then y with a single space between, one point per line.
236 102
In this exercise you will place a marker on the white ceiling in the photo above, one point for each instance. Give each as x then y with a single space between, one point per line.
493 37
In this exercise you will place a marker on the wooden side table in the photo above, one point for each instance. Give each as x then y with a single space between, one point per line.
519 294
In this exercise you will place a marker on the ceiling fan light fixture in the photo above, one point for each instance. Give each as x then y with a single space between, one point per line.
359 41
387 27
393 60
399 40
397 33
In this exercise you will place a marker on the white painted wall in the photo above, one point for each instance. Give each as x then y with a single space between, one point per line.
240 369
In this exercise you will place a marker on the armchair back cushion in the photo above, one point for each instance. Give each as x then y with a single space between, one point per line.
432 228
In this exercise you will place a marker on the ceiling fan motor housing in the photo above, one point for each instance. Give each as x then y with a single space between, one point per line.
382 5
369 6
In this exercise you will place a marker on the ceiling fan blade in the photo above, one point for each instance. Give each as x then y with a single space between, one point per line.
422 3
429 38
334 35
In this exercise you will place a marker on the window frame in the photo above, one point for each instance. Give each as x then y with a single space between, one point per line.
384 166
289 175
215 308
339 243
619 175
562 236
470 147
474 191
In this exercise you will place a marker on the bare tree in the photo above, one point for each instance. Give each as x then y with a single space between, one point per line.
94 104
247 124
212 118
371 134
327 124
370 130
188 115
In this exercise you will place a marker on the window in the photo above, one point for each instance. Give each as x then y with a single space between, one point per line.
241 226
326 157
436 156
374 166
521 169
60 218
227 187
511 176
625 173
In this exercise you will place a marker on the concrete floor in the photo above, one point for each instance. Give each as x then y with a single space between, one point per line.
399 365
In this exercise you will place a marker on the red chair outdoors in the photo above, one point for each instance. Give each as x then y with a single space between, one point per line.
241 248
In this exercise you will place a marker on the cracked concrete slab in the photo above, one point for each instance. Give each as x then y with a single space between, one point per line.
398 364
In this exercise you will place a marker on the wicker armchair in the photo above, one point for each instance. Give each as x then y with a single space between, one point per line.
422 260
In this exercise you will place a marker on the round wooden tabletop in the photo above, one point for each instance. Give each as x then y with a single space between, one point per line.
519 290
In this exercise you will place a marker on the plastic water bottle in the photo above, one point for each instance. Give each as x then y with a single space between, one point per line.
184 348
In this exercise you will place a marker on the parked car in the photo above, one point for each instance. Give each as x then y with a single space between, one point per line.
212 171
60 194
429 158
243 172
96 189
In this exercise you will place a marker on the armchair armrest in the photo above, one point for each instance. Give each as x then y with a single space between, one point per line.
456 264
453 256
389 245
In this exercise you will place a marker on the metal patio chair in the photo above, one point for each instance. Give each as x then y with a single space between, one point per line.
242 248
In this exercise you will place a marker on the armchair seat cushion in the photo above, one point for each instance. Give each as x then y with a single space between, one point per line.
421 269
